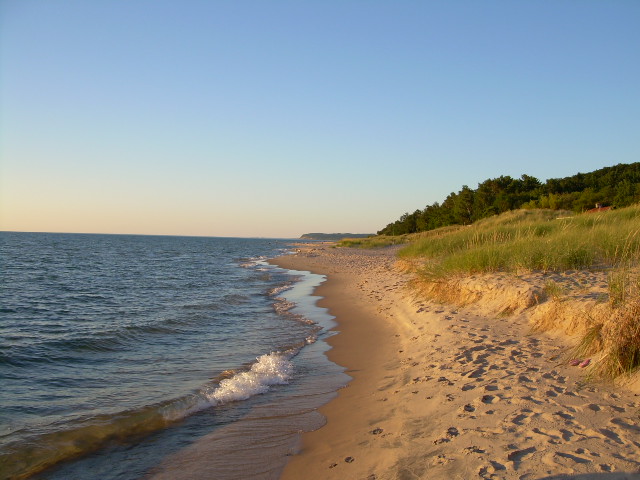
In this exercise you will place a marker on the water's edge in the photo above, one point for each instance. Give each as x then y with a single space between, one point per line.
276 404
259 444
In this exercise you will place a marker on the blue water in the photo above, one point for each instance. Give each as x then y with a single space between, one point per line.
120 353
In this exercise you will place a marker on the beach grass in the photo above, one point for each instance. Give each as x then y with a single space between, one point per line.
525 241
531 240
374 242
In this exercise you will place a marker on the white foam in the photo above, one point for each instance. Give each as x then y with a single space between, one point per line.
282 306
253 262
272 369
282 288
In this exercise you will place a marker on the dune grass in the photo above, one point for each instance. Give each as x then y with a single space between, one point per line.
377 241
551 241
531 240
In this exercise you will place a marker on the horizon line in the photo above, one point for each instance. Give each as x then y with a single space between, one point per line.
152 235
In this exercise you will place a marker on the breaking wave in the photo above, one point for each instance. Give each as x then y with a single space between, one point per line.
38 452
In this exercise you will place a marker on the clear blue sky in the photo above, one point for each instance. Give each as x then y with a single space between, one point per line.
276 118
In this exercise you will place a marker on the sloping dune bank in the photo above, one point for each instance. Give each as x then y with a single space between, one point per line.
444 392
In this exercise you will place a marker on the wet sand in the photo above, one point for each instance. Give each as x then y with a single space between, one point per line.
440 392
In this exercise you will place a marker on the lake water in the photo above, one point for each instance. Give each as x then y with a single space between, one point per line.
126 357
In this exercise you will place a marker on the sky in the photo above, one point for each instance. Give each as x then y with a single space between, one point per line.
277 118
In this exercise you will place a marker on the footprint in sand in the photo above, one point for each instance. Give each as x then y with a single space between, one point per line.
473 449
573 458
553 436
490 471
489 399
521 419
450 434
516 456
567 435
476 373
564 416
611 435
617 409
630 427
534 400
440 460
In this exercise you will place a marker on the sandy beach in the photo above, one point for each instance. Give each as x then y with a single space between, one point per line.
446 392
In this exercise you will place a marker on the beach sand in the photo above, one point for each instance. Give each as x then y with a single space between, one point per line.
445 392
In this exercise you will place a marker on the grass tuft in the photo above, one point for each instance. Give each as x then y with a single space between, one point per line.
621 342
554 290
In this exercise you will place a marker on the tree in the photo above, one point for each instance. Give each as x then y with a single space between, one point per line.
463 206
618 185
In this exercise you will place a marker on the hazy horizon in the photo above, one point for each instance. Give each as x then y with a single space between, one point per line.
270 120
297 237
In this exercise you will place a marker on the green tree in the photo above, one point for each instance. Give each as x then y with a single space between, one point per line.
463 206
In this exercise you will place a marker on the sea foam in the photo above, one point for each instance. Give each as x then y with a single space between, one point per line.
271 369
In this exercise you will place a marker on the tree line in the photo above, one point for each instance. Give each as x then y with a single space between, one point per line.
617 186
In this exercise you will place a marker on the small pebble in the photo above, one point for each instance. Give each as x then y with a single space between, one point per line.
349 459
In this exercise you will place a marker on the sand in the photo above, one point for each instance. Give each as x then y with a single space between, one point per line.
446 392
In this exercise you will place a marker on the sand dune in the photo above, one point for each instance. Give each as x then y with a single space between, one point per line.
444 392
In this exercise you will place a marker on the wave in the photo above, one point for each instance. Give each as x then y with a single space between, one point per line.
249 262
67 347
274 291
283 306
235 299
271 369
33 454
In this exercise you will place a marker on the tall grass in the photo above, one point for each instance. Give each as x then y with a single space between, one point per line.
373 242
615 337
543 240
531 240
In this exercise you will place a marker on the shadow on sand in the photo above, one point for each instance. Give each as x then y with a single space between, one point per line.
596 476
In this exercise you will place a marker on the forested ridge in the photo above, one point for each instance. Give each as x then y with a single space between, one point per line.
617 186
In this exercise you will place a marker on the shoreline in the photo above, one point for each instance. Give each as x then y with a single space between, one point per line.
439 391
366 345
259 442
